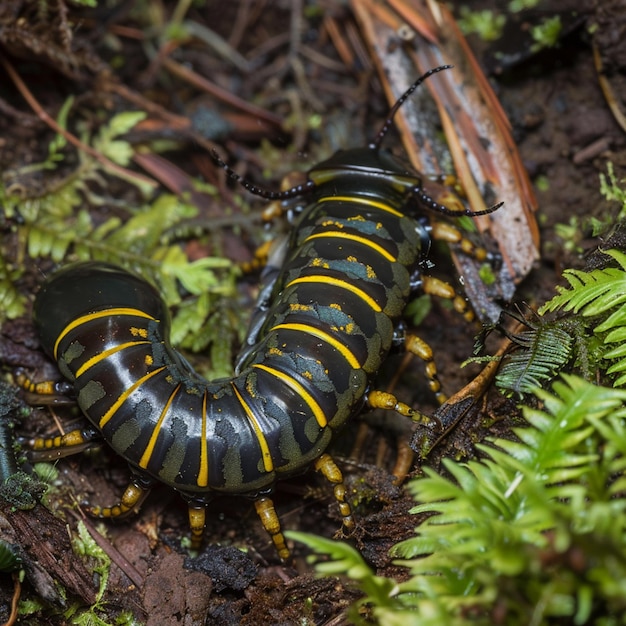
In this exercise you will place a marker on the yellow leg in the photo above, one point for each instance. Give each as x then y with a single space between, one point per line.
259 260
441 289
57 391
74 438
418 347
132 498
328 468
388 402
450 234
43 388
267 513
197 517
53 448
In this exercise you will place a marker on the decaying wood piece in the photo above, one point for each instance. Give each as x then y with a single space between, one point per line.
47 554
408 39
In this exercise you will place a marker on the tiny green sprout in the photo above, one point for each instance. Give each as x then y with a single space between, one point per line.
59 141
515 6
542 183
418 309
546 34
46 472
571 235
611 189
487 274
315 121
486 24
307 618
126 618
117 150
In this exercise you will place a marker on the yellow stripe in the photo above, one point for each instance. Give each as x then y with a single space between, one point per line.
149 451
329 339
203 472
366 201
94 360
300 390
118 403
362 240
85 319
268 464
336 282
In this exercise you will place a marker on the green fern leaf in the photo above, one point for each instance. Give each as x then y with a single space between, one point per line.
543 352
592 293
12 303
501 531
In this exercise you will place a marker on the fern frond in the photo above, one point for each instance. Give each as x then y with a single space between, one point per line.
600 297
544 350
58 224
501 531
592 293
12 303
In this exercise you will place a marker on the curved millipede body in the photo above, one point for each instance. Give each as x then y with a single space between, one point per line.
328 315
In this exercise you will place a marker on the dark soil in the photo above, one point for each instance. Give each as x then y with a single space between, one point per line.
565 132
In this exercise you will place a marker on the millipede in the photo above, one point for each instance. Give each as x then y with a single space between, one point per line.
329 312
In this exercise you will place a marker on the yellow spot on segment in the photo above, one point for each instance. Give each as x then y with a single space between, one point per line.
268 464
101 356
139 332
127 392
148 360
300 390
336 282
294 306
348 328
366 201
149 451
352 237
370 271
203 472
329 339
85 319
332 223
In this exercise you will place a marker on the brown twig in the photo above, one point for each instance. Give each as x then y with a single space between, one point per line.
49 121
111 551
17 591
607 90
205 85
343 50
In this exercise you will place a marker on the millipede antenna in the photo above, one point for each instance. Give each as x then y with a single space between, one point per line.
268 194
375 145
432 205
